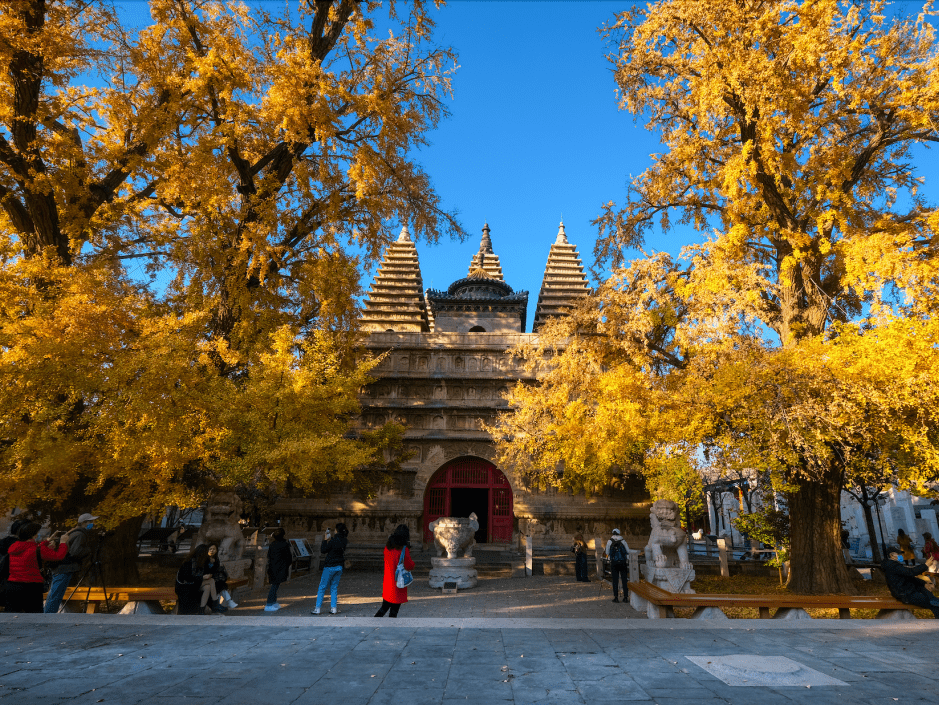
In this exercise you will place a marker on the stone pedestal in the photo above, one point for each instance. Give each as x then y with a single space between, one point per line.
671 579
236 568
260 569
461 571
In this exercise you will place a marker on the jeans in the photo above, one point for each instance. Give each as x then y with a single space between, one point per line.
331 577
60 582
272 593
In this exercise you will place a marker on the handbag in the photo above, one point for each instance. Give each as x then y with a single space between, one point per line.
403 577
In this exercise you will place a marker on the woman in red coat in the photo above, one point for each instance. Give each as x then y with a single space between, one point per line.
392 597
24 588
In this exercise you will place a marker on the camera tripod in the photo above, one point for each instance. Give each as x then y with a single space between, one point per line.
94 573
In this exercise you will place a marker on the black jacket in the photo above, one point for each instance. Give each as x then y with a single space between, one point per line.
218 573
279 559
335 550
79 548
6 542
189 588
901 579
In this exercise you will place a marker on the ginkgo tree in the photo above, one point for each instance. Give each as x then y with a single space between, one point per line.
252 159
798 333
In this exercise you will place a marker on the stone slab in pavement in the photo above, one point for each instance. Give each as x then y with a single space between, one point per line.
303 660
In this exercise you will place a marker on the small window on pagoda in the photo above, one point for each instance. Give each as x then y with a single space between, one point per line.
390 330
477 329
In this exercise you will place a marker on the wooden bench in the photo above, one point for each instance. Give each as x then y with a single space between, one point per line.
139 599
663 602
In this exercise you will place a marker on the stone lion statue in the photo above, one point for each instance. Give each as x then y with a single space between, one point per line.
219 527
667 547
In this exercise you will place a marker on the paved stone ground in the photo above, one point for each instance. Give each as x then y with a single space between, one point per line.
83 659
538 596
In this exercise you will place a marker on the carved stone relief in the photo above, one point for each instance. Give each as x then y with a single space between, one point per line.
435 456
480 450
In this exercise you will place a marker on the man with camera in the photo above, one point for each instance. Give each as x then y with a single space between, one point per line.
79 541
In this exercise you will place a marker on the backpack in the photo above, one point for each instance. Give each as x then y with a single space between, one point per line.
619 556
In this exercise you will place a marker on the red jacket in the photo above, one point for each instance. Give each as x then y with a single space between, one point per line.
389 591
24 568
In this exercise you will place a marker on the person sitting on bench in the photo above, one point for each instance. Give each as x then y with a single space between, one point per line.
904 584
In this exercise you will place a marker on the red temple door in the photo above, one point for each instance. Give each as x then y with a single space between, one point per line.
471 482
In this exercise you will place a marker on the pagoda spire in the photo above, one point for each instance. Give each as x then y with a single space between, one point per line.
395 301
486 259
564 281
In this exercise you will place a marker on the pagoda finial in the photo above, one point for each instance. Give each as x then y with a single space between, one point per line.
486 244
562 236
405 236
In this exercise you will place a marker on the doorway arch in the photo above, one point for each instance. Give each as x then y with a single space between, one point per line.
466 485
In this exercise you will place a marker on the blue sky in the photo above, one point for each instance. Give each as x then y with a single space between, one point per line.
534 134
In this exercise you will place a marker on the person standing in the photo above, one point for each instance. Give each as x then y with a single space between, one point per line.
392 597
906 546
617 550
5 544
931 555
78 542
335 549
278 567
24 588
580 558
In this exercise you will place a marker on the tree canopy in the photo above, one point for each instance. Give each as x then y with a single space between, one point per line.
253 161
797 336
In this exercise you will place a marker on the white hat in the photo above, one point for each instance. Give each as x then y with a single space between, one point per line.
86 517
615 531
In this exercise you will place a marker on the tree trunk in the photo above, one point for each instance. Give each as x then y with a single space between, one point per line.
817 564
119 554
871 530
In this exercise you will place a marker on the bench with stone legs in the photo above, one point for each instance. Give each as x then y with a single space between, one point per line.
140 600
660 604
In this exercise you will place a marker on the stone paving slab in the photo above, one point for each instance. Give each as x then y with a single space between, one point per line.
547 596
280 660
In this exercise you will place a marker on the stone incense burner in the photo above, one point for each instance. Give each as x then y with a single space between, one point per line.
454 536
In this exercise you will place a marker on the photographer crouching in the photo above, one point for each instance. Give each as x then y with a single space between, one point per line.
80 544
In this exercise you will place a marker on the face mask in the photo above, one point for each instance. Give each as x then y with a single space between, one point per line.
90 526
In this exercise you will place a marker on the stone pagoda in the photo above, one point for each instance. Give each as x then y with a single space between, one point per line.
481 302
564 281
486 259
395 302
